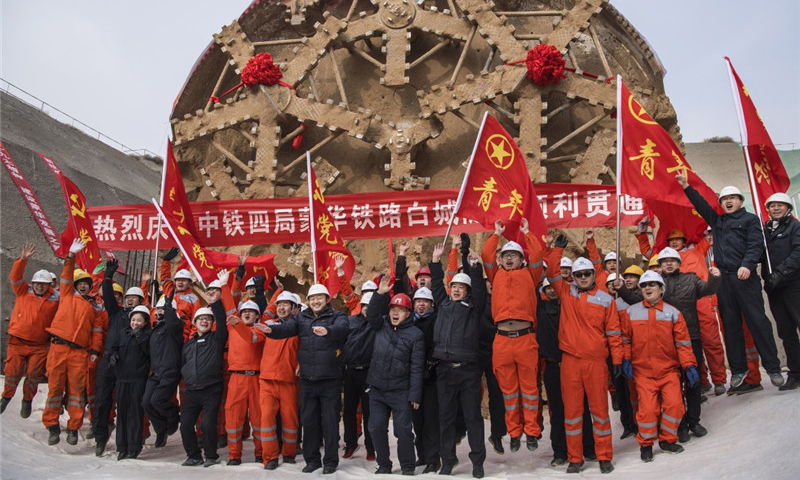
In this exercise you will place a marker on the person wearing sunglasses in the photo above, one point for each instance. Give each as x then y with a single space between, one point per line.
589 329
657 345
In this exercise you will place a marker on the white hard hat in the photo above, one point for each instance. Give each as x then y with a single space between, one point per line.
611 277
163 301
202 311
135 291
651 276
297 299
581 263
286 297
461 278
317 289
424 293
729 190
214 284
668 253
781 198
41 276
366 298
610 256
53 275
566 262
512 247
545 283
369 285
140 309
250 283
183 273
250 305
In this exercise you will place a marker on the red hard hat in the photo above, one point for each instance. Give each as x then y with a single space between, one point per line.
423 271
676 233
400 300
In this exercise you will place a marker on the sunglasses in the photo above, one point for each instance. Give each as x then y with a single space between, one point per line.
582 274
650 284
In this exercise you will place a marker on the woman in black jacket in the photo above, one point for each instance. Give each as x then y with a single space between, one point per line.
130 360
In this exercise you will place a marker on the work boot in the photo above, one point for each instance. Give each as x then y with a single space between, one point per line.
683 433
310 468
4 403
349 451
703 399
558 461
328 469
531 443
706 388
55 432
383 470
627 433
272 464
289 460
777 379
575 467
646 453
447 468
792 383
745 388
515 444
192 462
738 378
122 456
234 462
25 409
72 437
477 471
497 444
719 389
210 462
606 466
431 468
259 459
161 440
90 434
670 447
409 472
698 430
100 448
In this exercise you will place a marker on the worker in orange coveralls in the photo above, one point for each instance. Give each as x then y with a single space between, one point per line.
28 342
279 387
604 269
515 353
77 333
588 330
656 344
187 301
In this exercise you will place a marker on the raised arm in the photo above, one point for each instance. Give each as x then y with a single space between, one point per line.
437 275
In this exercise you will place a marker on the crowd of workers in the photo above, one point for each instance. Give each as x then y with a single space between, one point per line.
530 320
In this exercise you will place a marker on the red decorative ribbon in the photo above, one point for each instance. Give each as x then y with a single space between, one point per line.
260 70
546 65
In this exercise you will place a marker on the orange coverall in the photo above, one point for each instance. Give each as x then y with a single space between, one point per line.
515 360
28 341
77 329
656 340
588 330
242 401
601 275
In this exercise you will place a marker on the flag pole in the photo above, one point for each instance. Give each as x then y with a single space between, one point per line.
466 177
156 273
180 246
311 216
619 162
748 162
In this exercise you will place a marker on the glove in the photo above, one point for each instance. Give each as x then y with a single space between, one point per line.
77 246
691 375
627 369
465 244
643 224
561 241
111 266
773 281
259 280
172 253
617 370
113 359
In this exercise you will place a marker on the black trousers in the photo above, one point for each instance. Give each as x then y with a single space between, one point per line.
355 385
426 423
497 409
558 437
394 403
104 399
693 394
205 400
784 302
130 416
157 402
739 298
320 404
623 396
460 386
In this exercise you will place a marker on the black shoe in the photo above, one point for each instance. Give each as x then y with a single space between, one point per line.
431 468
460 439
744 388
210 462
515 444
192 462
575 467
409 473
25 409
100 448
133 455
477 471
683 433
90 434
531 443
698 430
706 388
614 403
289 460
590 457
272 464
72 437
234 461
310 468
647 453
328 469
670 447
703 399
447 469
792 383
606 466
628 432
4 403
122 456
383 470
497 444
161 440
558 461
259 460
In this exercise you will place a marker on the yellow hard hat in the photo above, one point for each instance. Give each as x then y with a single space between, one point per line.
81 275
118 288
653 262
633 270
676 233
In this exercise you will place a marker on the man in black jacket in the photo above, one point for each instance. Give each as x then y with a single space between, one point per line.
395 375
203 375
357 356
782 281
456 339
322 332
738 247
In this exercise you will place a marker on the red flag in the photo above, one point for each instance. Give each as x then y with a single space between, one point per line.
192 251
79 225
173 194
497 185
647 162
326 243
262 265
764 167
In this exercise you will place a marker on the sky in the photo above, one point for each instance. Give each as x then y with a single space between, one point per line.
118 66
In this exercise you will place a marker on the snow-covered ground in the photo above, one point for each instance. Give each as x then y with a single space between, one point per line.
751 436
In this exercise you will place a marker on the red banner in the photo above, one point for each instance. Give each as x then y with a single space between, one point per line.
30 199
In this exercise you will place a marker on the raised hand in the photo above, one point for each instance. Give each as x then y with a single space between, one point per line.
403 248
456 242
111 267
146 276
28 250
223 276
643 224
681 179
589 234
213 295
549 237
338 260
499 228
277 283
561 241
232 320
242 259
438 250
172 253
77 246
385 285
524 227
